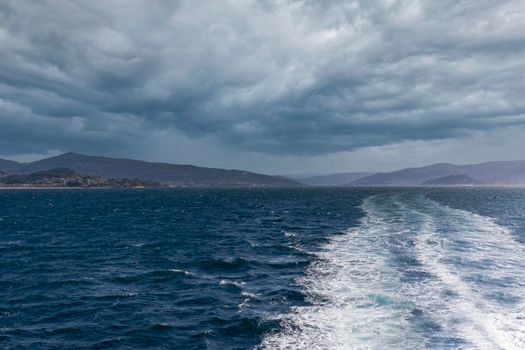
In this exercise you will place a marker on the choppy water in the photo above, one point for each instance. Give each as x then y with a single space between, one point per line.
263 269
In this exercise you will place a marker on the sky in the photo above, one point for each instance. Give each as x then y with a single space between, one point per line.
274 86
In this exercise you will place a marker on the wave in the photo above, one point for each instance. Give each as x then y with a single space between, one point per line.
232 283
184 272
415 274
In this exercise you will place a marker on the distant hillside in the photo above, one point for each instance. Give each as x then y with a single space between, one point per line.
179 175
490 173
303 175
41 177
63 177
9 166
339 179
452 180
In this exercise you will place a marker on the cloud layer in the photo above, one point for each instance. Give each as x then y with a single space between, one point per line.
278 77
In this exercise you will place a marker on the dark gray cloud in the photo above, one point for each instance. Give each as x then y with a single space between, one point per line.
277 77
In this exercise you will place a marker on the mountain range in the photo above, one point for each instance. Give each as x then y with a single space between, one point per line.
488 173
165 173
441 174
452 180
509 173
338 179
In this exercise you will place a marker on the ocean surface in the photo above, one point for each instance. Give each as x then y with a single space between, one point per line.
259 269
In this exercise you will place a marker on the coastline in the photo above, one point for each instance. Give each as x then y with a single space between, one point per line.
64 188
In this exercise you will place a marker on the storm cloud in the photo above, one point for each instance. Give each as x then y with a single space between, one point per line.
275 77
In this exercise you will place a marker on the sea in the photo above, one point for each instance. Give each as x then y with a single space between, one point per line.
303 268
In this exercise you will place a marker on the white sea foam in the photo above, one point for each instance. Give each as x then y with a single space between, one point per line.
492 256
289 234
414 275
248 294
188 273
244 304
232 283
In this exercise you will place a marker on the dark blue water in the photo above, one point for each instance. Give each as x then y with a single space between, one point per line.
269 269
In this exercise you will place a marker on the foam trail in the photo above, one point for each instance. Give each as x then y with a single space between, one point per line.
477 260
414 275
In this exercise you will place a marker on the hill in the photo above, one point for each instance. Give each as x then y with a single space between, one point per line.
339 179
452 180
490 173
9 166
63 177
171 174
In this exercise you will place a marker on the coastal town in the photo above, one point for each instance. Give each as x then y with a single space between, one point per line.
67 178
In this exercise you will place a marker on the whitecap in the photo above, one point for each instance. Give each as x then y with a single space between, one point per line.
289 234
182 271
233 283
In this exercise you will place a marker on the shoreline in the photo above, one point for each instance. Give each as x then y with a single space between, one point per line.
66 188
262 187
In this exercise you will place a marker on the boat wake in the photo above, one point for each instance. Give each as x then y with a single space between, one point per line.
414 275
